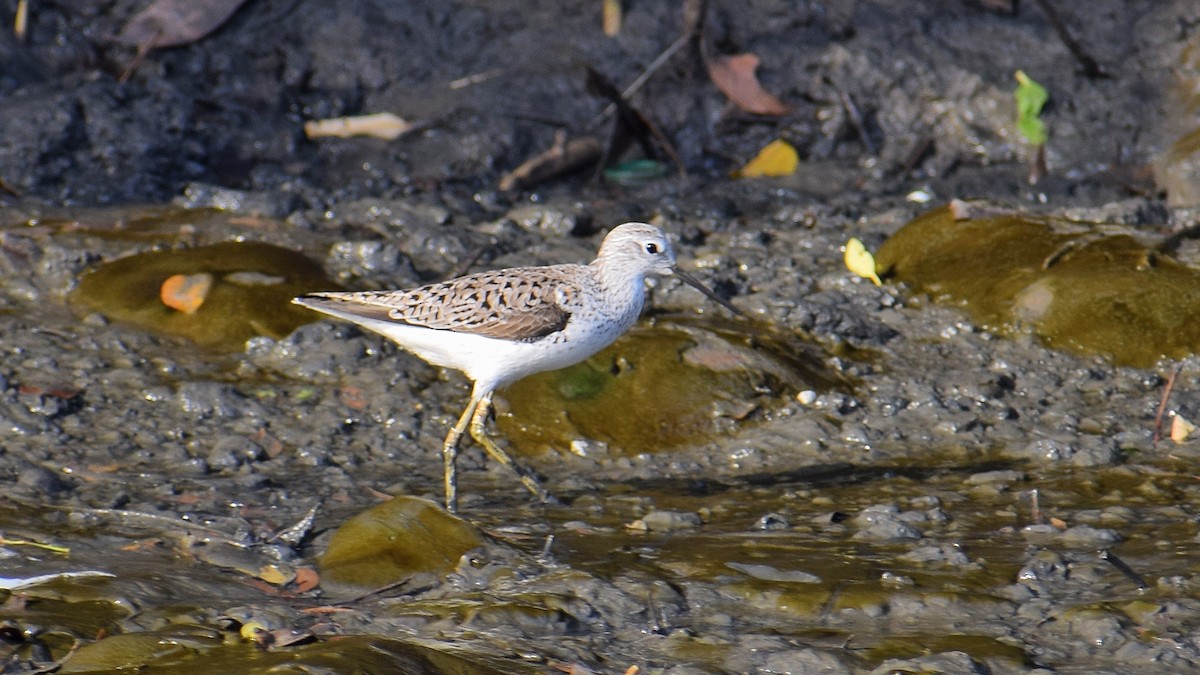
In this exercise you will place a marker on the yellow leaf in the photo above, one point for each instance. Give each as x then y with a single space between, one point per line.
779 158
612 17
273 575
860 261
251 630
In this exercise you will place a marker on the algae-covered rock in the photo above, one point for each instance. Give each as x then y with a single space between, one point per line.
660 387
1077 288
250 288
394 541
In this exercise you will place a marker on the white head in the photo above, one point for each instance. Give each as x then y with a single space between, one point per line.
635 250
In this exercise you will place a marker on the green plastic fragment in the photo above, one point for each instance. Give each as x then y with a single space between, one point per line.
636 171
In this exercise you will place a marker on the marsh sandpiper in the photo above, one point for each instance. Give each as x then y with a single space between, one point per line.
497 327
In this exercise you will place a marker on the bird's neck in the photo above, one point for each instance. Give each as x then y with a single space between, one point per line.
621 285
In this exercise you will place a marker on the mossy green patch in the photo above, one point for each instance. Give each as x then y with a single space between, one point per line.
1079 289
251 292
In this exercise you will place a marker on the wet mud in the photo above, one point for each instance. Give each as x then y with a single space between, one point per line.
853 479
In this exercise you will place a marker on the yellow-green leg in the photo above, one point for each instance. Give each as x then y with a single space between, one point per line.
478 419
450 453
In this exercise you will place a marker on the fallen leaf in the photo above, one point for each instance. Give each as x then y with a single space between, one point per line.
385 125
306 579
860 261
171 23
272 574
186 292
734 76
778 158
21 20
286 637
353 397
251 630
1181 428
612 17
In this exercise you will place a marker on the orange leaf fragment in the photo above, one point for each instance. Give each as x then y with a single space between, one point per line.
186 292
734 76
353 397
778 158
306 579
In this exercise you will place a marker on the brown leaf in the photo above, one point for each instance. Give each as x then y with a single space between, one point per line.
734 76
353 397
171 23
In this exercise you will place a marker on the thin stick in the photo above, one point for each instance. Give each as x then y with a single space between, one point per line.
1162 405
1090 67
641 80
856 121
1122 567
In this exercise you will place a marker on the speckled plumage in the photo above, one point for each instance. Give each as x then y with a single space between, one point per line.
497 327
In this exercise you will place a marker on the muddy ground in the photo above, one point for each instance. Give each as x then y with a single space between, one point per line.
875 484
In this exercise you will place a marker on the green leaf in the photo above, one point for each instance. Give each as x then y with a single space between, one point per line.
1031 97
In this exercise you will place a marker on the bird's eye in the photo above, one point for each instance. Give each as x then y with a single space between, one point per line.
652 248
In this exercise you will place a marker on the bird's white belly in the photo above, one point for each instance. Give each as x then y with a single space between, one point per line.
493 362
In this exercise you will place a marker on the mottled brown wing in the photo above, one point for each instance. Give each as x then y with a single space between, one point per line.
520 304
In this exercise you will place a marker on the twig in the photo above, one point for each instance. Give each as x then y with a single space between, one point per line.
1112 559
921 150
54 666
856 121
1037 166
1162 405
1090 67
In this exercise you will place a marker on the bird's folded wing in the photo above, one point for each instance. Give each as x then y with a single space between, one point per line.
497 304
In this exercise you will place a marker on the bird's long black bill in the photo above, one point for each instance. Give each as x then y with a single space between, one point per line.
711 294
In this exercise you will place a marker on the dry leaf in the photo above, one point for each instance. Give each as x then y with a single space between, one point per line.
778 158
1181 428
860 261
387 126
734 76
612 17
170 23
21 20
353 397
186 292
272 574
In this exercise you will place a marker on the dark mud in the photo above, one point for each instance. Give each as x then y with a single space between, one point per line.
889 487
